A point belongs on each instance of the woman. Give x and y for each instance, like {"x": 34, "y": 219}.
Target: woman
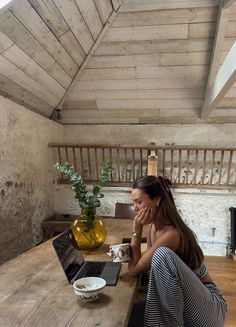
{"x": 181, "y": 291}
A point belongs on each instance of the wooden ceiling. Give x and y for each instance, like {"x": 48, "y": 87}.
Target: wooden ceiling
{"x": 121, "y": 62}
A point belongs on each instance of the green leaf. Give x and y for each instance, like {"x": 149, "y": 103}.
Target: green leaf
{"x": 79, "y": 187}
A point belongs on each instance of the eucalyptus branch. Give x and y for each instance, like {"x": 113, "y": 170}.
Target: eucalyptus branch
{"x": 78, "y": 185}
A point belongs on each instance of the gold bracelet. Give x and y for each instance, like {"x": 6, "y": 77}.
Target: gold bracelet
{"x": 136, "y": 235}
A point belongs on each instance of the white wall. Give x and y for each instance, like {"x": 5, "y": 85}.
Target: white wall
{"x": 27, "y": 176}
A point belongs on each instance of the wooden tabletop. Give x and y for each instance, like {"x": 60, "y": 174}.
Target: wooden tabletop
{"x": 35, "y": 292}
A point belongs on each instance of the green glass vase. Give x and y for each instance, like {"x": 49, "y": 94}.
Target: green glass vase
{"x": 89, "y": 229}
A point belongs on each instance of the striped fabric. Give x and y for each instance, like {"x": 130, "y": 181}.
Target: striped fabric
{"x": 177, "y": 298}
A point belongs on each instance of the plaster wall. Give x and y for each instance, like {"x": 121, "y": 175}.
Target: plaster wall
{"x": 188, "y": 134}
{"x": 27, "y": 176}
{"x": 206, "y": 212}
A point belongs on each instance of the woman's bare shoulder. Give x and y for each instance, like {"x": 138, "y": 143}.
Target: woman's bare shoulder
{"x": 168, "y": 236}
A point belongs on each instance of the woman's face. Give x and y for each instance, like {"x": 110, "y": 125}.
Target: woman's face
{"x": 141, "y": 200}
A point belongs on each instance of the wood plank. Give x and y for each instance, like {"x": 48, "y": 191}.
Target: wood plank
{"x": 31, "y": 265}
{"x": 26, "y": 14}
{"x": 159, "y": 17}
{"x": 156, "y": 47}
{"x": 90, "y": 14}
{"x": 232, "y": 12}
{"x": 135, "y": 104}
{"x": 167, "y": 72}
{"x": 221, "y": 112}
{"x": 51, "y": 16}
{"x": 193, "y": 58}
{"x": 10, "y": 26}
{"x": 220, "y": 270}
{"x": 231, "y": 28}
{"x": 124, "y": 61}
{"x": 140, "y": 84}
{"x": 225, "y": 78}
{"x": 73, "y": 47}
{"x": 127, "y": 113}
{"x": 5, "y": 42}
{"x": 228, "y": 3}
{"x": 55, "y": 21}
{"x": 180, "y": 113}
{"x": 232, "y": 92}
{"x": 118, "y": 113}
{"x": 227, "y": 103}
{"x": 201, "y": 30}
{"x": 137, "y": 5}
{"x": 179, "y": 31}
{"x": 102, "y": 121}
{"x": 187, "y": 120}
{"x": 26, "y": 63}
{"x": 108, "y": 73}
{"x": 74, "y": 19}
{"x": 137, "y": 94}
{"x": 104, "y": 8}
{"x": 31, "y": 68}
{"x": 149, "y": 104}
{"x": 16, "y": 93}
{"x": 15, "y": 74}
{"x": 82, "y": 104}
{"x": 228, "y": 43}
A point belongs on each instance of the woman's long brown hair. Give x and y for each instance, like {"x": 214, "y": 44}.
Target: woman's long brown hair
{"x": 189, "y": 250}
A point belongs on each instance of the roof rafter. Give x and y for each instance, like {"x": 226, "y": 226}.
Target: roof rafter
{"x": 216, "y": 56}
{"x": 225, "y": 78}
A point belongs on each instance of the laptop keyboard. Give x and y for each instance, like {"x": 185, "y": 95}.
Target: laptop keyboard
{"x": 93, "y": 269}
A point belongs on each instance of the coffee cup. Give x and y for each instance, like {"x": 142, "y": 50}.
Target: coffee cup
{"x": 119, "y": 252}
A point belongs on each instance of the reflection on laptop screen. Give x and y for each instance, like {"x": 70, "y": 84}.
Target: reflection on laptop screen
{"x": 71, "y": 259}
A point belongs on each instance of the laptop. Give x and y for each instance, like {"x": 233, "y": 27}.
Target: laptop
{"x": 74, "y": 265}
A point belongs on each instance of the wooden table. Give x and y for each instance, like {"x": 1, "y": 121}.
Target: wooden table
{"x": 34, "y": 290}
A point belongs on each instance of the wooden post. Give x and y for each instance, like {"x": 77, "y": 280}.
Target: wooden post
{"x": 153, "y": 163}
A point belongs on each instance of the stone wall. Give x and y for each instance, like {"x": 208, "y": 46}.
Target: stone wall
{"x": 27, "y": 178}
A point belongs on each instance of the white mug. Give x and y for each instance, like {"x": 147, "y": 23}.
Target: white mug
{"x": 119, "y": 252}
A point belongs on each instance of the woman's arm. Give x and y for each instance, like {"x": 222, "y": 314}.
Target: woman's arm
{"x": 141, "y": 219}
{"x": 141, "y": 262}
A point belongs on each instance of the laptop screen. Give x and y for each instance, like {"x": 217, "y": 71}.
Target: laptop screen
{"x": 70, "y": 257}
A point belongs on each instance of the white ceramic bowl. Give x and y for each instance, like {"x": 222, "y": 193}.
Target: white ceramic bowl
{"x": 89, "y": 288}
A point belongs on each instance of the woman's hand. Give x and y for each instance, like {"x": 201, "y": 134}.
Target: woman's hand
{"x": 144, "y": 217}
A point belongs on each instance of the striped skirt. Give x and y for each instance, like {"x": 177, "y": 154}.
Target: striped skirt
{"x": 177, "y": 298}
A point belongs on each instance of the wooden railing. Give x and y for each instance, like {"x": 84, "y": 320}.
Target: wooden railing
{"x": 185, "y": 166}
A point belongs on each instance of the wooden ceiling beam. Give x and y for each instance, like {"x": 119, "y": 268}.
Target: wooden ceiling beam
{"x": 216, "y": 56}
{"x": 225, "y": 78}
{"x": 88, "y": 57}
{"x": 228, "y": 3}
{"x": 116, "y": 4}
